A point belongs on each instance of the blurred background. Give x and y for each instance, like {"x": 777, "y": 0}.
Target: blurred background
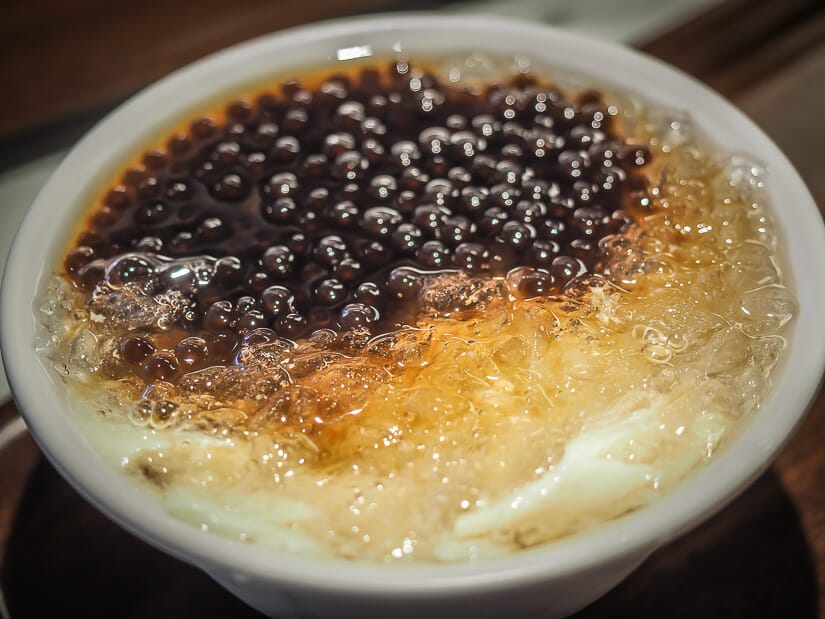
{"x": 65, "y": 63}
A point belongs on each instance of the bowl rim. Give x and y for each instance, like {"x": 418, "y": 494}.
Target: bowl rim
{"x": 638, "y": 534}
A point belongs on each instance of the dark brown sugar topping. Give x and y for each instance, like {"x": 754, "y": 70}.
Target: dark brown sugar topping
{"x": 328, "y": 207}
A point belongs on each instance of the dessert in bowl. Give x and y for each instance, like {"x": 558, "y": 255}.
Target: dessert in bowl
{"x": 504, "y": 310}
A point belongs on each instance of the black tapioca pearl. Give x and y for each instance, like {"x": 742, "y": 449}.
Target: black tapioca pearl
{"x": 222, "y": 345}
{"x": 226, "y": 154}
{"x": 253, "y": 319}
{"x": 413, "y": 179}
{"x": 149, "y": 188}
{"x": 504, "y": 195}
{"x": 259, "y": 337}
{"x": 635, "y": 156}
{"x": 155, "y": 160}
{"x": 565, "y": 268}
{"x": 278, "y": 261}
{"x": 455, "y": 229}
{"x": 433, "y": 255}
{"x": 377, "y": 106}
{"x": 333, "y": 91}
{"x": 330, "y": 250}
{"x": 585, "y": 249}
{"x": 374, "y": 254}
{"x": 299, "y": 244}
{"x": 590, "y": 220}
{"x": 407, "y": 238}
{"x": 350, "y": 115}
{"x": 527, "y": 282}
{"x": 295, "y": 121}
{"x": 266, "y": 134}
{"x": 518, "y": 235}
{"x": 492, "y": 220}
{"x": 531, "y": 211}
{"x": 203, "y": 128}
{"x": 354, "y": 315}
{"x": 384, "y": 187}
{"x": 192, "y": 351}
{"x": 287, "y": 148}
{"x": 404, "y": 153}
{"x": 473, "y": 200}
{"x": 228, "y": 273}
{"x": 219, "y": 316}
{"x": 369, "y": 293}
{"x": 277, "y": 301}
{"x": 162, "y": 365}
{"x": 329, "y": 291}
{"x": 338, "y": 143}
{"x": 282, "y": 185}
{"x": 459, "y": 176}
{"x": 212, "y": 230}
{"x": 403, "y": 282}
{"x": 136, "y": 349}
{"x": 179, "y": 191}
{"x": 178, "y": 145}
{"x": 573, "y": 164}
{"x": 231, "y": 187}
{"x": 344, "y": 214}
{"x": 131, "y": 178}
{"x": 91, "y": 274}
{"x": 350, "y": 166}
{"x": 316, "y": 166}
{"x": 434, "y": 140}
{"x": 78, "y": 258}
{"x": 149, "y": 244}
{"x": 348, "y": 270}
{"x": 541, "y": 253}
{"x": 281, "y": 211}
{"x": 380, "y": 221}
{"x": 471, "y": 257}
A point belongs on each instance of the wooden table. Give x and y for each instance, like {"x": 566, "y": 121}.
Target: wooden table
{"x": 762, "y": 556}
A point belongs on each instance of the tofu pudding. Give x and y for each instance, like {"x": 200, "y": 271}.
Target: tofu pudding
{"x": 406, "y": 314}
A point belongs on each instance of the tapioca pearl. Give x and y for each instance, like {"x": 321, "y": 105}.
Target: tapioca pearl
{"x": 178, "y": 145}
{"x": 105, "y": 216}
{"x": 407, "y": 238}
{"x": 318, "y": 199}
{"x": 373, "y": 128}
{"x": 162, "y": 365}
{"x": 155, "y": 160}
{"x": 565, "y": 268}
{"x": 308, "y": 221}
{"x": 266, "y": 134}
{"x": 531, "y": 211}
{"x": 428, "y": 217}
{"x": 286, "y": 149}
{"x": 585, "y": 250}
{"x": 281, "y": 185}
{"x": 434, "y": 140}
{"x": 369, "y": 293}
{"x": 584, "y": 192}
{"x": 228, "y": 273}
{"x": 471, "y": 257}
{"x": 208, "y": 173}
{"x": 90, "y": 275}
{"x": 455, "y": 229}
{"x": 299, "y": 243}
{"x": 553, "y": 230}
{"x": 542, "y": 146}
{"x": 333, "y": 91}
{"x": 504, "y": 195}
{"x": 192, "y": 351}
{"x": 78, "y": 258}
{"x": 403, "y": 282}
{"x": 212, "y": 230}
{"x": 239, "y": 110}
{"x": 348, "y": 270}
{"x": 329, "y": 291}
{"x": 609, "y": 178}
{"x": 583, "y": 137}
{"x": 406, "y": 202}
{"x": 573, "y": 164}
{"x": 380, "y": 221}
{"x": 413, "y": 179}
{"x": 344, "y": 215}
{"x": 635, "y": 156}
{"x": 383, "y": 188}
{"x": 438, "y": 166}
{"x": 404, "y": 153}
{"x": 295, "y": 121}
{"x": 377, "y": 106}
{"x": 590, "y": 220}
{"x": 518, "y": 235}
{"x": 460, "y": 177}
{"x": 131, "y": 178}
{"x": 483, "y": 168}
{"x": 219, "y": 316}
{"x": 316, "y": 166}
{"x": 179, "y": 191}
{"x": 374, "y": 254}
{"x": 433, "y": 255}
{"x": 440, "y": 191}
{"x": 253, "y": 319}
{"x": 277, "y": 301}
{"x": 373, "y": 150}
{"x": 541, "y": 253}
{"x": 508, "y": 172}
{"x": 149, "y": 188}
{"x": 527, "y": 282}
{"x": 596, "y": 116}
{"x": 237, "y": 131}
{"x": 135, "y": 349}
{"x": 278, "y": 261}
{"x": 231, "y": 187}
{"x": 350, "y": 166}
{"x": 492, "y": 220}
{"x": 350, "y": 115}
{"x": 330, "y": 250}
{"x": 465, "y": 145}
{"x": 355, "y": 315}
{"x": 203, "y": 128}
{"x": 226, "y": 154}
{"x": 430, "y": 102}
{"x": 322, "y": 318}
{"x": 473, "y": 200}
{"x": 258, "y": 281}
{"x": 281, "y": 211}
{"x": 338, "y": 143}
{"x": 129, "y": 268}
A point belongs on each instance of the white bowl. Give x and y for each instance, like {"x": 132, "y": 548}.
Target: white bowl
{"x": 556, "y": 579}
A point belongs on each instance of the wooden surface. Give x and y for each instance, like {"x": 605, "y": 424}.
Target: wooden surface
{"x": 762, "y": 556}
